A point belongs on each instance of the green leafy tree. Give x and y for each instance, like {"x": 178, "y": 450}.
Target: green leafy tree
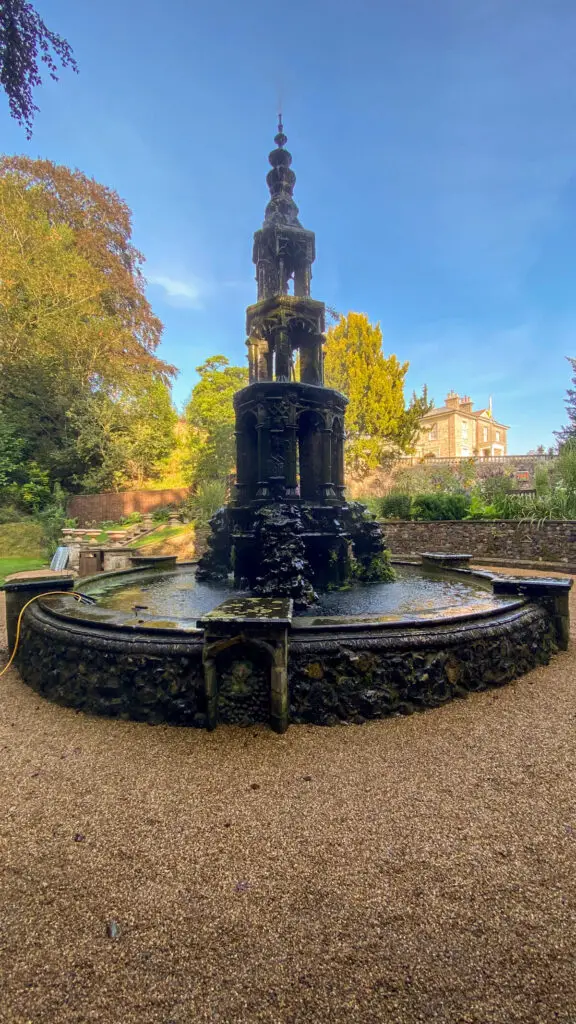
{"x": 79, "y": 380}
{"x": 12, "y": 448}
{"x": 210, "y": 415}
{"x": 379, "y": 424}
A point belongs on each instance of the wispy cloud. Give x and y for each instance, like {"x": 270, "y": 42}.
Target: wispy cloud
{"x": 188, "y": 292}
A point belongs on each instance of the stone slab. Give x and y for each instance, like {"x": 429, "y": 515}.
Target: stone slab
{"x": 272, "y": 610}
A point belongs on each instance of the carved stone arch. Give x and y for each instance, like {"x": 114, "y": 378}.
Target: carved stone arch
{"x": 212, "y": 650}
{"x": 238, "y": 672}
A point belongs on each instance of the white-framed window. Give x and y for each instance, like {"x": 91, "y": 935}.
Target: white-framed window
{"x": 484, "y": 433}
{"x": 433, "y": 433}
{"x": 465, "y": 451}
{"x": 465, "y": 429}
{"x": 497, "y": 435}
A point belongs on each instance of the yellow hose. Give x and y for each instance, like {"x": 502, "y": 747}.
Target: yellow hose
{"x": 49, "y": 593}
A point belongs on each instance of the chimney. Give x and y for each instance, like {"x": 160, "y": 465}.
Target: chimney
{"x": 452, "y": 400}
{"x": 465, "y": 404}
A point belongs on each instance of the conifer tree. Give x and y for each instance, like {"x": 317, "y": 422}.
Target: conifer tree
{"x": 378, "y": 422}
{"x": 569, "y": 431}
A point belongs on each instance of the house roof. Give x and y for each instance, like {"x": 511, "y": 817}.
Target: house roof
{"x": 479, "y": 414}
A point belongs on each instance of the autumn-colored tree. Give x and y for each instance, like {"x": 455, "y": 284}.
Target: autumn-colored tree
{"x": 210, "y": 415}
{"x": 25, "y": 44}
{"x": 77, "y": 339}
{"x": 379, "y": 424}
{"x": 101, "y": 223}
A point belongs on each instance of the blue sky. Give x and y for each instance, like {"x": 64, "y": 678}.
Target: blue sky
{"x": 434, "y": 145}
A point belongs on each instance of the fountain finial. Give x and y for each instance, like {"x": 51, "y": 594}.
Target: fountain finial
{"x": 280, "y": 139}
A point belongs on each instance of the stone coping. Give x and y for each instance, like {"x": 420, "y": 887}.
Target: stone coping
{"x": 518, "y": 590}
{"x": 473, "y": 522}
{"x": 531, "y": 585}
{"x": 126, "y": 622}
{"x": 36, "y": 577}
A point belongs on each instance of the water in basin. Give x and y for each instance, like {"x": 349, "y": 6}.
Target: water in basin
{"x": 179, "y": 595}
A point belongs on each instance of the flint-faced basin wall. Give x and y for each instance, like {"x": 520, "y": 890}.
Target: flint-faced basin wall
{"x": 349, "y": 669}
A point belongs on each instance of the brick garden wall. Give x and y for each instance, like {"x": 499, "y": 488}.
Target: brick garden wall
{"x": 112, "y": 505}
{"x": 502, "y": 539}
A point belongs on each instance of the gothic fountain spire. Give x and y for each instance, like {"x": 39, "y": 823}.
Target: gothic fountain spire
{"x": 283, "y": 250}
{"x": 281, "y": 180}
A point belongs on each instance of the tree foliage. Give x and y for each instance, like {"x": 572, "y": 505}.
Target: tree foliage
{"x": 80, "y": 384}
{"x": 569, "y": 431}
{"x": 25, "y": 44}
{"x": 210, "y": 415}
{"x": 378, "y": 422}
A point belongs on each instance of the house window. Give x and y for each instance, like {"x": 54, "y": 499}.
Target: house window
{"x": 497, "y": 435}
{"x": 485, "y": 433}
{"x": 465, "y": 451}
{"x": 465, "y": 429}
{"x": 433, "y": 433}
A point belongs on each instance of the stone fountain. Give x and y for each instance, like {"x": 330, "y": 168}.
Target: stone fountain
{"x": 298, "y": 635}
{"x": 289, "y": 530}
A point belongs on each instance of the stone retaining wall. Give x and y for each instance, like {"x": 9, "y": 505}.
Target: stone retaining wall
{"x": 552, "y": 541}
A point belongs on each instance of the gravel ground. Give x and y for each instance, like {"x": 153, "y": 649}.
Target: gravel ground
{"x": 414, "y": 869}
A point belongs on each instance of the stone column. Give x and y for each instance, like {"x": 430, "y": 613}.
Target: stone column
{"x": 326, "y": 488}
{"x": 279, "y": 702}
{"x": 311, "y": 360}
{"x": 283, "y": 355}
{"x": 291, "y": 447}
{"x": 240, "y": 485}
{"x": 339, "y": 481}
{"x": 252, "y": 360}
{"x": 263, "y": 368}
{"x": 263, "y": 490}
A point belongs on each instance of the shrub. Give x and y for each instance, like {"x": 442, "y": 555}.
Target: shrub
{"x": 541, "y": 481}
{"x": 160, "y": 515}
{"x": 52, "y": 518}
{"x": 558, "y": 504}
{"x": 432, "y": 507}
{"x": 208, "y": 498}
{"x": 566, "y": 464}
{"x": 372, "y": 504}
{"x": 131, "y": 518}
{"x": 480, "y": 510}
{"x": 11, "y": 514}
{"x": 495, "y": 487}
{"x": 396, "y": 506}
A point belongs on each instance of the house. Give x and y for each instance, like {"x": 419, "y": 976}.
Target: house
{"x": 455, "y": 431}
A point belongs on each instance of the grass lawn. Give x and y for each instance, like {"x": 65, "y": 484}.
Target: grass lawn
{"x": 10, "y": 565}
{"x": 160, "y": 534}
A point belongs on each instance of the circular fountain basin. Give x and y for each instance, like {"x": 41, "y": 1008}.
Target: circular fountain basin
{"x": 362, "y": 653}
{"x": 180, "y": 597}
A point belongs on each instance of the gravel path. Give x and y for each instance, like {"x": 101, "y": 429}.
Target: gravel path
{"x": 414, "y": 869}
